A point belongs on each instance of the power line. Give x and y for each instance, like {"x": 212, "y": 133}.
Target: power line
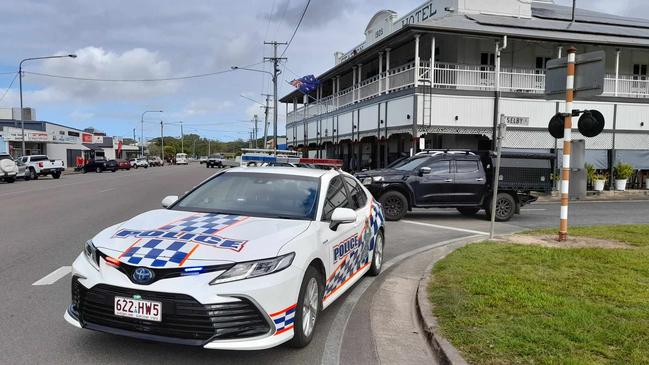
{"x": 137, "y": 80}
{"x": 7, "y": 72}
{"x": 296, "y": 28}
{"x": 9, "y": 87}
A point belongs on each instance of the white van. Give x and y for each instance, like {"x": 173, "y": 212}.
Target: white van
{"x": 181, "y": 159}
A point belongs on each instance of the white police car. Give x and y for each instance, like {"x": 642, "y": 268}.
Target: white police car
{"x": 246, "y": 260}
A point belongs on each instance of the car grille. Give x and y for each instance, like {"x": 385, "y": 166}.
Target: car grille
{"x": 182, "y": 316}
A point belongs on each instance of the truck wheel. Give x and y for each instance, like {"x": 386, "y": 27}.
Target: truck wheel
{"x": 505, "y": 207}
{"x": 56, "y": 175}
{"x": 395, "y": 205}
{"x": 10, "y": 179}
{"x": 33, "y": 174}
{"x": 468, "y": 211}
{"x": 307, "y": 310}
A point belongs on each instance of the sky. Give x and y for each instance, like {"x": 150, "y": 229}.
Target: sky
{"x": 147, "y": 39}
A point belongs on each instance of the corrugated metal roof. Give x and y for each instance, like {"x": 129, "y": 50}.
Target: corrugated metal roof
{"x": 558, "y": 12}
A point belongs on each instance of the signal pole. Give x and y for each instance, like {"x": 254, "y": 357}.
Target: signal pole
{"x": 266, "y": 119}
{"x": 256, "y": 137}
{"x": 567, "y": 139}
{"x": 276, "y": 73}
{"x": 162, "y": 141}
{"x": 182, "y": 138}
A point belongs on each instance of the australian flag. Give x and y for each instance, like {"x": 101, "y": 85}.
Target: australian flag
{"x": 306, "y": 84}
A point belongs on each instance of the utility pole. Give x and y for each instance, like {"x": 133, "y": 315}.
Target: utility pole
{"x": 162, "y": 141}
{"x": 256, "y": 138}
{"x": 194, "y": 148}
{"x": 276, "y": 73}
{"x": 209, "y": 147}
{"x": 182, "y": 138}
{"x": 134, "y": 139}
{"x": 266, "y": 120}
{"x": 250, "y": 144}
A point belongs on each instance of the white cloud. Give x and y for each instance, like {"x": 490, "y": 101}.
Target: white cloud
{"x": 205, "y": 106}
{"x": 98, "y": 63}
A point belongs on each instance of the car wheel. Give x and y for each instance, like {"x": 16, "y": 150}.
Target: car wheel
{"x": 34, "y": 175}
{"x": 27, "y": 176}
{"x": 395, "y": 205}
{"x": 505, "y": 207}
{"x": 377, "y": 256}
{"x": 309, "y": 305}
{"x": 10, "y": 179}
{"x": 56, "y": 175}
{"x": 98, "y": 170}
{"x": 468, "y": 210}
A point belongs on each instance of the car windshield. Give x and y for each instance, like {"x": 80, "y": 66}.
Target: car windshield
{"x": 256, "y": 195}
{"x": 411, "y": 163}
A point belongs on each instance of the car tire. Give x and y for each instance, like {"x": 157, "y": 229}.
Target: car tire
{"x": 10, "y": 179}
{"x": 505, "y": 207}
{"x": 56, "y": 175}
{"x": 468, "y": 211}
{"x": 34, "y": 175}
{"x": 311, "y": 292}
{"x": 98, "y": 170}
{"x": 377, "y": 255}
{"x": 395, "y": 205}
{"x": 27, "y": 176}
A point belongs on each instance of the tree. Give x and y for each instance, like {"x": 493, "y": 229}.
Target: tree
{"x": 170, "y": 151}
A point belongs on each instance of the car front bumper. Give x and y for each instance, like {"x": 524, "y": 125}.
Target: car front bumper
{"x": 249, "y": 314}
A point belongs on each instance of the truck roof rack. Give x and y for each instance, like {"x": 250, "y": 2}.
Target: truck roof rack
{"x": 447, "y": 151}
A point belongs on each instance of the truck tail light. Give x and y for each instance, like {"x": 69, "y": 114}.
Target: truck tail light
{"x": 40, "y": 164}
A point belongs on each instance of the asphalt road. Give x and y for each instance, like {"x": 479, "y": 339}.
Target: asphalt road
{"x": 44, "y": 223}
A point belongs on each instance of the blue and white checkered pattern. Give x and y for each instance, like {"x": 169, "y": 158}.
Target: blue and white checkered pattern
{"x": 203, "y": 223}
{"x": 158, "y": 253}
{"x": 284, "y": 321}
{"x": 359, "y": 257}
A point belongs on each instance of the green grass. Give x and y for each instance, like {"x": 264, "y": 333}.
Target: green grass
{"x": 633, "y": 234}
{"x": 519, "y": 304}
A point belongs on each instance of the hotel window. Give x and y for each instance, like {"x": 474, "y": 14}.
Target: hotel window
{"x": 487, "y": 63}
{"x": 639, "y": 72}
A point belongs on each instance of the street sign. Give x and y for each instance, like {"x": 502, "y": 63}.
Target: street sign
{"x": 589, "y": 76}
{"x": 514, "y": 120}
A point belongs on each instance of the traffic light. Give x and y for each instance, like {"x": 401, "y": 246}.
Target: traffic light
{"x": 591, "y": 123}
{"x": 556, "y": 126}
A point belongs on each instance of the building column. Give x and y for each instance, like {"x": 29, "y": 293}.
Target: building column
{"x": 387, "y": 69}
{"x": 432, "y": 61}
{"x": 417, "y": 59}
{"x": 337, "y": 91}
{"x": 380, "y": 73}
{"x": 617, "y": 70}
{"x": 359, "y": 79}
{"x": 354, "y": 84}
{"x": 559, "y": 51}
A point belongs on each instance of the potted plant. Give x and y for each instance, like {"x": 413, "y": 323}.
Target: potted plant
{"x": 622, "y": 171}
{"x": 599, "y": 180}
{"x": 590, "y": 173}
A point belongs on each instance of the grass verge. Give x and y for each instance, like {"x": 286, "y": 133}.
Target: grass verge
{"x": 516, "y": 304}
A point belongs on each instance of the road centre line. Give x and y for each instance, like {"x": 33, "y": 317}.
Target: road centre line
{"x": 54, "y": 276}
{"x": 446, "y": 227}
{"x": 106, "y": 190}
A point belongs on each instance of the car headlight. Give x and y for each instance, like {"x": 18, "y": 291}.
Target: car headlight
{"x": 372, "y": 179}
{"x": 253, "y": 269}
{"x": 91, "y": 253}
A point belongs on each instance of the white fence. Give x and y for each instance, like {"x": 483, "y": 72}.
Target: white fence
{"x": 461, "y": 77}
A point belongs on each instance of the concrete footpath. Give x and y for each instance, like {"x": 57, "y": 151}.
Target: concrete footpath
{"x": 396, "y": 328}
{"x": 638, "y": 194}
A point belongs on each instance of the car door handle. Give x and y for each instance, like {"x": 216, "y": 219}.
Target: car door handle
{"x": 448, "y": 180}
{"x": 479, "y": 179}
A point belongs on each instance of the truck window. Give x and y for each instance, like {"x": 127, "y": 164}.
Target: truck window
{"x": 466, "y": 166}
{"x": 440, "y": 167}
{"x": 336, "y": 197}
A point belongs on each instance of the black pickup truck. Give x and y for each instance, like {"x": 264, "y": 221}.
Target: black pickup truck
{"x": 461, "y": 180}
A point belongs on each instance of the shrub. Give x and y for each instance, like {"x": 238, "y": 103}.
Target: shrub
{"x": 623, "y": 171}
{"x": 590, "y": 171}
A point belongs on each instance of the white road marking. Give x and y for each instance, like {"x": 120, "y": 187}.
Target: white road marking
{"x": 531, "y": 209}
{"x": 103, "y": 191}
{"x": 445, "y": 227}
{"x": 54, "y": 276}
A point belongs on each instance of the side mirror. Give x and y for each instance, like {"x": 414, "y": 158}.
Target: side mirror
{"x": 424, "y": 171}
{"x": 168, "y": 200}
{"x": 341, "y": 216}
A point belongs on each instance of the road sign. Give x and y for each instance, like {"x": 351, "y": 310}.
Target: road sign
{"x": 589, "y": 76}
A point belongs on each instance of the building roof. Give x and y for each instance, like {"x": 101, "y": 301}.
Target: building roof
{"x": 549, "y": 22}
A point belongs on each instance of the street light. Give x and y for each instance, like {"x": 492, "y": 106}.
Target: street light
{"x": 274, "y": 77}
{"x": 20, "y": 81}
{"x": 142, "y": 129}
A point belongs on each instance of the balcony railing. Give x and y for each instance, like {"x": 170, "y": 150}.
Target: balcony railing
{"x": 460, "y": 77}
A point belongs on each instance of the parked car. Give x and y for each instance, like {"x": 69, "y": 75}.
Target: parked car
{"x": 23, "y": 171}
{"x": 461, "y": 180}
{"x": 41, "y": 165}
{"x": 8, "y": 168}
{"x": 139, "y": 162}
{"x": 214, "y": 161}
{"x": 100, "y": 165}
{"x": 123, "y": 165}
{"x": 202, "y": 159}
{"x": 155, "y": 161}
